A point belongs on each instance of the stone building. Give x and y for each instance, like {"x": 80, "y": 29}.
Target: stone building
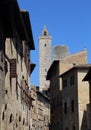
{"x": 55, "y": 97}
{"x": 44, "y": 57}
{"x": 75, "y": 97}
{"x": 43, "y": 111}
{"x": 34, "y": 112}
{"x": 88, "y": 78}
{"x": 58, "y": 67}
{"x": 59, "y": 52}
{"x": 40, "y": 110}
{"x": 16, "y": 41}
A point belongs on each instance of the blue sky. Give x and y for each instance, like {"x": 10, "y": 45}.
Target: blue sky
{"x": 67, "y": 21}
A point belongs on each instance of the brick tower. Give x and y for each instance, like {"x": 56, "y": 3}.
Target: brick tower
{"x": 44, "y": 57}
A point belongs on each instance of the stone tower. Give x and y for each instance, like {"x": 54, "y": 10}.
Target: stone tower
{"x": 44, "y": 57}
{"x": 60, "y": 52}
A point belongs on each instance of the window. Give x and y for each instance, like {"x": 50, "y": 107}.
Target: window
{"x": 6, "y": 67}
{"x": 1, "y": 45}
{"x": 19, "y": 118}
{"x": 72, "y": 105}
{"x": 65, "y": 107}
{"x": 11, "y": 118}
{"x": 2, "y": 55}
{"x": 17, "y": 91}
{"x": 21, "y": 64}
{"x": 6, "y": 91}
{"x": 45, "y": 45}
{"x": 45, "y": 33}
{"x": 3, "y": 116}
{"x": 64, "y": 83}
{"x": 16, "y": 125}
{"x": 29, "y": 127}
{"x": 73, "y": 127}
{"x": 1, "y": 50}
{"x": 72, "y": 80}
{"x": 13, "y": 68}
{"x": 23, "y": 121}
{"x": 5, "y": 107}
{"x": 45, "y": 70}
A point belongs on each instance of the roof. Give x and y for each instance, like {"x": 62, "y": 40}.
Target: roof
{"x": 80, "y": 66}
{"x": 36, "y": 89}
{"x": 42, "y": 95}
{"x": 12, "y": 19}
{"x": 88, "y": 76}
{"x": 27, "y": 23}
{"x": 9, "y": 17}
{"x": 51, "y": 68}
{"x": 32, "y": 67}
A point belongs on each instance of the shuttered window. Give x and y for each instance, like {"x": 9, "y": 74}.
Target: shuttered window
{"x": 13, "y": 68}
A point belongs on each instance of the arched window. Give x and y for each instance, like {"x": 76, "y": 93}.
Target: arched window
{"x": 45, "y": 33}
{"x": 11, "y": 118}
{"x": 23, "y": 121}
{"x": 3, "y": 116}
{"x": 29, "y": 127}
{"x": 5, "y": 106}
{"x": 6, "y": 91}
{"x": 45, "y": 45}
{"x": 73, "y": 127}
{"x": 19, "y": 118}
{"x": 16, "y": 125}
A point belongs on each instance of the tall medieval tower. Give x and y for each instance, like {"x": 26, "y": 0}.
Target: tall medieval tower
{"x": 44, "y": 57}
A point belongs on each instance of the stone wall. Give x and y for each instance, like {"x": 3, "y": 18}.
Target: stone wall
{"x": 74, "y": 59}
{"x": 16, "y": 110}
{"x": 75, "y": 97}
{"x": 2, "y": 77}
{"x": 60, "y": 52}
{"x": 40, "y": 110}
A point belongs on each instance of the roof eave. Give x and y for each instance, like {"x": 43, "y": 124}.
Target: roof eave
{"x": 27, "y": 23}
{"x": 51, "y": 69}
{"x": 10, "y": 18}
{"x": 88, "y": 76}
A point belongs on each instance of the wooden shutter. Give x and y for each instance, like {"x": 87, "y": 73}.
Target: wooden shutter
{"x": 13, "y": 68}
